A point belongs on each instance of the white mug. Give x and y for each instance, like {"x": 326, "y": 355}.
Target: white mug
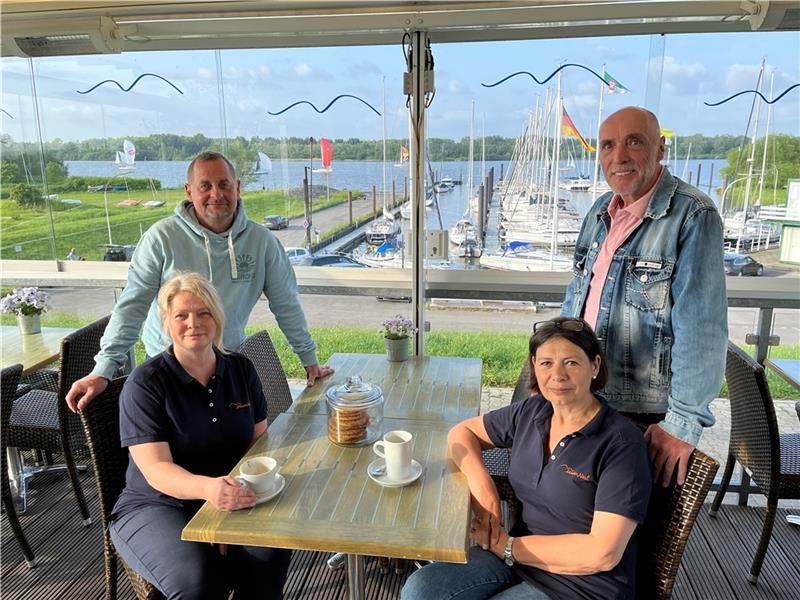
{"x": 395, "y": 449}
{"x": 259, "y": 473}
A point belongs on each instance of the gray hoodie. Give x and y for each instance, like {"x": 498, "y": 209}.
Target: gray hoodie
{"x": 242, "y": 263}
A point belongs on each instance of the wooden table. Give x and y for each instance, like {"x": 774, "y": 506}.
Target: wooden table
{"x": 440, "y": 388}
{"x": 330, "y": 504}
{"x": 787, "y": 369}
{"x": 33, "y": 351}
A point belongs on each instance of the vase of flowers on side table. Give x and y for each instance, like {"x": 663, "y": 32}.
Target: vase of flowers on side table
{"x": 28, "y": 304}
{"x": 397, "y": 332}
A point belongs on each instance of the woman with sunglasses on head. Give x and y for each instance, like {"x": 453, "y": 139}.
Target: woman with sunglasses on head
{"x": 580, "y": 471}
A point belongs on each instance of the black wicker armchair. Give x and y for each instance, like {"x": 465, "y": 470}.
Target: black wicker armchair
{"x": 772, "y": 459}
{"x": 259, "y": 349}
{"x": 662, "y": 539}
{"x": 110, "y": 461}
{"x": 41, "y": 419}
{"x": 9, "y": 379}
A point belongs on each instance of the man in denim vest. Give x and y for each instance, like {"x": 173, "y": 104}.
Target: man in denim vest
{"x": 649, "y": 277}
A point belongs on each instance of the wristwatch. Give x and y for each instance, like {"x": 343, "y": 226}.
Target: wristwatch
{"x": 508, "y": 557}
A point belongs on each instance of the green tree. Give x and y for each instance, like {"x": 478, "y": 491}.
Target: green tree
{"x": 10, "y": 173}
{"x": 26, "y": 196}
{"x": 55, "y": 171}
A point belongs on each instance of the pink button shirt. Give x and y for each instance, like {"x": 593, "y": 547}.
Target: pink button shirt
{"x": 624, "y": 222}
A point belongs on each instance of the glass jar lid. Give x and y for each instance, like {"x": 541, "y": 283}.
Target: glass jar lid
{"x": 354, "y": 393}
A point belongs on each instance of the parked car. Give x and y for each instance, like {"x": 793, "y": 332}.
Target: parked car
{"x": 740, "y": 264}
{"x": 298, "y": 256}
{"x": 276, "y": 222}
{"x": 118, "y": 252}
{"x": 334, "y": 260}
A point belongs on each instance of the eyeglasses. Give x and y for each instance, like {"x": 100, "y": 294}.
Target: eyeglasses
{"x": 566, "y": 325}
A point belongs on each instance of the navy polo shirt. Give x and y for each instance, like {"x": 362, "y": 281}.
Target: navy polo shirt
{"x": 208, "y": 428}
{"x": 604, "y": 466}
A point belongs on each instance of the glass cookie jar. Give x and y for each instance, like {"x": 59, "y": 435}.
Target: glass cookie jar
{"x": 355, "y": 412}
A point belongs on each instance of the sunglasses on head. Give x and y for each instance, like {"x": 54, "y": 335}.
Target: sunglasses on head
{"x": 566, "y": 325}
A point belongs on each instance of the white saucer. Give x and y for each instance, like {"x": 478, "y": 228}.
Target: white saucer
{"x": 416, "y": 471}
{"x": 269, "y": 495}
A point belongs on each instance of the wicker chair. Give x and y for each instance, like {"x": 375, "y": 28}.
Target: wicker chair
{"x": 9, "y": 378}
{"x": 662, "y": 539}
{"x": 259, "y": 349}
{"x": 110, "y": 461}
{"x": 41, "y": 419}
{"x": 772, "y": 459}
{"x": 497, "y": 460}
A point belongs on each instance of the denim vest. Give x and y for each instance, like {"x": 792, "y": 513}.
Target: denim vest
{"x": 663, "y": 310}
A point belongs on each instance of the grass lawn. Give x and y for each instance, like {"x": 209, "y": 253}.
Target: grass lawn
{"x": 502, "y": 353}
{"x": 27, "y": 234}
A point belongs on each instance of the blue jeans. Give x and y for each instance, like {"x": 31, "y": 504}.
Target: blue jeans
{"x": 149, "y": 541}
{"x": 484, "y": 576}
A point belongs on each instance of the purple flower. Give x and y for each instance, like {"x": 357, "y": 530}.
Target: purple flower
{"x": 27, "y": 301}
{"x": 397, "y": 328}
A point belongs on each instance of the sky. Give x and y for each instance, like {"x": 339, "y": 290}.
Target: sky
{"x": 696, "y": 69}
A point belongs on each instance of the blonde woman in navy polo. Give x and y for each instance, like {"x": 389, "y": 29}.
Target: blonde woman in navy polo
{"x": 580, "y": 470}
{"x": 187, "y": 416}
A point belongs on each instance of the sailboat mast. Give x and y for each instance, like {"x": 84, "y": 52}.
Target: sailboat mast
{"x": 483, "y": 149}
{"x": 597, "y": 139}
{"x": 751, "y": 160}
{"x": 384, "y": 143}
{"x": 766, "y": 141}
{"x": 555, "y": 170}
{"x": 471, "y": 152}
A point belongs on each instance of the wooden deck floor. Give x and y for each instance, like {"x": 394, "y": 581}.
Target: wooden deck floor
{"x": 70, "y": 557}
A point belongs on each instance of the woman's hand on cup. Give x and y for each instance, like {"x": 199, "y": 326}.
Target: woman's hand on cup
{"x": 225, "y": 493}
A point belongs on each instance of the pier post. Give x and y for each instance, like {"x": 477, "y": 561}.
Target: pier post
{"x": 374, "y": 200}
{"x": 394, "y": 198}
{"x": 307, "y": 208}
{"x": 699, "y": 170}
{"x": 710, "y": 178}
{"x": 350, "y": 204}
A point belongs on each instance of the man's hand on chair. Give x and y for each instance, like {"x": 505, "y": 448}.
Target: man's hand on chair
{"x": 667, "y": 453}
{"x": 83, "y": 390}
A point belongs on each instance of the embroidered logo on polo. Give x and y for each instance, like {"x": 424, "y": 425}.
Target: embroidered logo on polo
{"x": 239, "y": 405}
{"x": 575, "y": 473}
{"x": 245, "y": 264}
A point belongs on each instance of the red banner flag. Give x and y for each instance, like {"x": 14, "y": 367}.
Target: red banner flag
{"x": 326, "y": 147}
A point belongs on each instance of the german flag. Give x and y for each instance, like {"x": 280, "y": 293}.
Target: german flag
{"x": 568, "y": 128}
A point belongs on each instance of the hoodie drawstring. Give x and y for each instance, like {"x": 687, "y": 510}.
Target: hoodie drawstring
{"x": 208, "y": 256}
{"x": 232, "y": 257}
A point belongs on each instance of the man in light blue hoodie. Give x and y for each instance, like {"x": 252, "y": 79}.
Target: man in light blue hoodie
{"x": 209, "y": 234}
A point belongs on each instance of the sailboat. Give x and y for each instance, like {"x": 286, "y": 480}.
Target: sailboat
{"x": 263, "y": 165}
{"x": 326, "y": 148}
{"x": 403, "y": 157}
{"x": 382, "y": 229}
{"x": 126, "y": 157}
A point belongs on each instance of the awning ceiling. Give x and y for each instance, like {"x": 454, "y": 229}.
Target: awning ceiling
{"x": 42, "y": 28}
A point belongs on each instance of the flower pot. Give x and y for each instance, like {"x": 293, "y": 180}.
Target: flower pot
{"x": 397, "y": 350}
{"x": 29, "y": 324}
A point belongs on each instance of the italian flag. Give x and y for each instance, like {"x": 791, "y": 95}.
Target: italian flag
{"x": 613, "y": 84}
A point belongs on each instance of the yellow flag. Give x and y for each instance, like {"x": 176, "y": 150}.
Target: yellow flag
{"x": 667, "y": 133}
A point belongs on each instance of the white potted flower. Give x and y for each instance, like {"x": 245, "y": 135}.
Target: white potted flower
{"x": 396, "y": 332}
{"x": 28, "y": 304}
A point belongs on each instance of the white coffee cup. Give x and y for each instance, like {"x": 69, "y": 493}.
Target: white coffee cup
{"x": 259, "y": 473}
{"x": 395, "y": 449}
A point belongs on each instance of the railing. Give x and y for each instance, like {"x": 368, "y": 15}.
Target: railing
{"x": 779, "y": 213}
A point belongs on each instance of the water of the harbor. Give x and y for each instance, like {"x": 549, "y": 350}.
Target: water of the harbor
{"x": 363, "y": 175}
